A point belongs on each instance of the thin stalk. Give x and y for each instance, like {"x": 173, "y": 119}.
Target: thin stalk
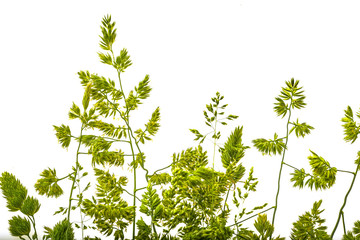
{"x": 343, "y": 221}
{"x": 227, "y": 195}
{"x": 153, "y": 225}
{"x": 281, "y": 165}
{"x": 213, "y": 166}
{"x": 80, "y": 210}
{"x": 32, "y": 219}
{"x": 132, "y": 152}
{"x": 215, "y": 139}
{"x": 75, "y": 173}
{"x": 344, "y": 203}
{"x": 251, "y": 216}
{"x": 344, "y": 171}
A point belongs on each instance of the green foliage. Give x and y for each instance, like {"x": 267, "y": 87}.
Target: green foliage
{"x": 271, "y": 146}
{"x": 63, "y": 230}
{"x": 19, "y": 227}
{"x": 13, "y": 191}
{"x": 111, "y": 213}
{"x": 233, "y": 149}
{"x": 143, "y": 89}
{"x": 264, "y": 228}
{"x": 300, "y": 128}
{"x": 309, "y": 225}
{"x": 290, "y": 93}
{"x": 47, "y": 185}
{"x": 86, "y": 98}
{"x": 351, "y": 128}
{"x": 212, "y": 116}
{"x": 323, "y": 175}
{"x": 30, "y": 206}
{"x": 63, "y": 134}
{"x": 161, "y": 178}
{"x": 108, "y": 31}
{"x": 193, "y": 200}
{"x": 354, "y": 234}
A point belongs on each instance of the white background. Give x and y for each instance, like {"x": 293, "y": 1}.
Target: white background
{"x": 244, "y": 49}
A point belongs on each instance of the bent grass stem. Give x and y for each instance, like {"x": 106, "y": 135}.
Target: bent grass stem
{"x": 281, "y": 165}
{"x": 344, "y": 203}
{"x": 75, "y": 173}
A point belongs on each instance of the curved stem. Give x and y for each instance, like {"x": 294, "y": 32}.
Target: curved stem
{"x": 343, "y": 221}
{"x": 80, "y": 210}
{"x": 126, "y": 119}
{"x": 227, "y": 195}
{"x": 344, "y": 203}
{"x": 32, "y": 219}
{"x": 281, "y": 166}
{"x": 75, "y": 173}
{"x": 254, "y": 215}
{"x": 344, "y": 171}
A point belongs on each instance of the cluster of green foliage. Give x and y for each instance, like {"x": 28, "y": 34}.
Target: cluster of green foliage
{"x": 188, "y": 199}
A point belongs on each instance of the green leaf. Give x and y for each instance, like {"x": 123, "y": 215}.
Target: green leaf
{"x": 351, "y": 128}
{"x": 14, "y": 192}
{"x": 63, "y": 135}
{"x": 30, "y": 206}
{"x": 19, "y": 226}
{"x": 271, "y": 146}
{"x": 74, "y": 111}
{"x": 233, "y": 149}
{"x": 108, "y": 129}
{"x": 153, "y": 125}
{"x": 85, "y": 77}
{"x": 106, "y": 58}
{"x": 143, "y": 89}
{"x": 280, "y": 107}
{"x": 62, "y": 230}
{"x": 263, "y": 226}
{"x": 144, "y": 230}
{"x": 111, "y": 158}
{"x": 197, "y": 134}
{"x": 123, "y": 60}
{"x": 47, "y": 185}
{"x": 86, "y": 98}
{"x": 160, "y": 178}
{"x": 324, "y": 175}
{"x": 354, "y": 234}
{"x": 310, "y": 225}
{"x": 232, "y": 117}
{"x": 108, "y": 31}
{"x": 290, "y": 93}
{"x": 298, "y": 178}
{"x": 301, "y": 129}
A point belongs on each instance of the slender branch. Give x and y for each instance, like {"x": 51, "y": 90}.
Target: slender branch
{"x": 227, "y": 195}
{"x": 126, "y": 119}
{"x": 80, "y": 210}
{"x": 307, "y": 174}
{"x": 343, "y": 221}
{"x": 344, "y": 203}
{"x": 131, "y": 194}
{"x": 344, "y": 171}
{"x": 281, "y": 165}
{"x": 75, "y": 173}
{"x": 251, "y": 216}
{"x": 115, "y": 140}
{"x": 140, "y": 189}
{"x": 32, "y": 219}
{"x": 290, "y": 166}
{"x": 164, "y": 167}
{"x": 59, "y": 179}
